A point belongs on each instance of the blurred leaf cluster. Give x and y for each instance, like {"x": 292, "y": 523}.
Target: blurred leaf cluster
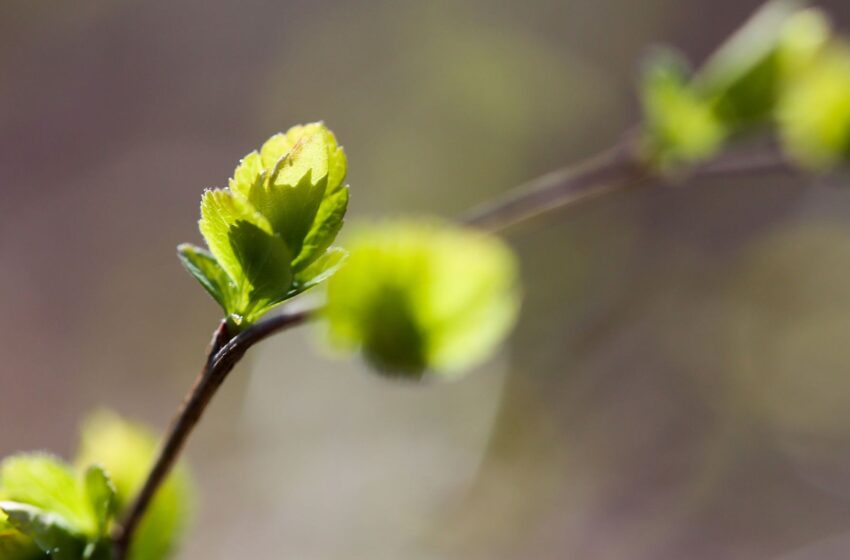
{"x": 417, "y": 295}
{"x": 50, "y": 509}
{"x": 784, "y": 70}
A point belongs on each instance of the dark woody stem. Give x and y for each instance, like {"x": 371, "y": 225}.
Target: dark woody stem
{"x": 224, "y": 352}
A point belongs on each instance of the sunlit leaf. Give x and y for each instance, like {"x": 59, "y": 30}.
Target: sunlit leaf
{"x": 283, "y": 209}
{"x": 291, "y": 208}
{"x": 221, "y": 211}
{"x": 249, "y": 174}
{"x": 46, "y": 482}
{"x": 328, "y": 223}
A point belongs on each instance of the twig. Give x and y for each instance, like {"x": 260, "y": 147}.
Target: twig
{"x": 224, "y": 353}
{"x": 619, "y": 168}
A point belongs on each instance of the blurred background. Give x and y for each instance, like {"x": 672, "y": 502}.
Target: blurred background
{"x": 678, "y": 385}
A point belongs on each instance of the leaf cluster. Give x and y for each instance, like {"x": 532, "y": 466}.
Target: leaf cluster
{"x": 50, "y": 509}
{"x": 783, "y": 71}
{"x": 270, "y": 231}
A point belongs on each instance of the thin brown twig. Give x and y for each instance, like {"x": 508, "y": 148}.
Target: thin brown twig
{"x": 617, "y": 169}
{"x": 224, "y": 352}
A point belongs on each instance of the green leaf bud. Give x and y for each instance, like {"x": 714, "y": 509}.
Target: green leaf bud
{"x": 278, "y": 217}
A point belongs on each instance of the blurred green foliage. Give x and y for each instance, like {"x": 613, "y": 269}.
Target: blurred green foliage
{"x": 815, "y": 113}
{"x": 783, "y": 69}
{"x": 419, "y": 295}
{"x": 50, "y": 509}
{"x": 64, "y": 512}
{"x": 681, "y": 126}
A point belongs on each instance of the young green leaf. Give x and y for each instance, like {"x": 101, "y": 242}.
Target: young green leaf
{"x": 310, "y": 147}
{"x": 423, "y": 295}
{"x": 249, "y": 174}
{"x": 206, "y": 270}
{"x": 329, "y": 220}
{"x": 266, "y": 266}
{"x": 221, "y": 211}
{"x": 51, "y": 531}
{"x": 291, "y": 208}
{"x": 127, "y": 451}
{"x": 320, "y": 270}
{"x": 291, "y": 178}
{"x": 101, "y": 495}
{"x": 47, "y": 483}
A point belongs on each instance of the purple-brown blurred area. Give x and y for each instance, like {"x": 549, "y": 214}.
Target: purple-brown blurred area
{"x": 679, "y": 384}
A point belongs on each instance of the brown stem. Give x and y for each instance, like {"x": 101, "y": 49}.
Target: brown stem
{"x": 614, "y": 169}
{"x": 225, "y": 351}
{"x": 619, "y": 168}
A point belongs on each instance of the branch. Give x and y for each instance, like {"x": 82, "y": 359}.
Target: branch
{"x": 224, "y": 353}
{"x": 618, "y": 169}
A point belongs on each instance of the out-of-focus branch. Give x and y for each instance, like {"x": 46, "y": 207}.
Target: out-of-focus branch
{"x": 618, "y": 169}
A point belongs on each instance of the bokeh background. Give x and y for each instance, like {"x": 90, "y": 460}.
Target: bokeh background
{"x": 679, "y": 383}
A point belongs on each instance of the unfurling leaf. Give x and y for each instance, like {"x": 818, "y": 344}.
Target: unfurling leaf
{"x": 281, "y": 213}
{"x": 417, "y": 296}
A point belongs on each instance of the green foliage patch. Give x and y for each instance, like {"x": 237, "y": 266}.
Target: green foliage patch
{"x": 50, "y": 509}
{"x": 784, "y": 70}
